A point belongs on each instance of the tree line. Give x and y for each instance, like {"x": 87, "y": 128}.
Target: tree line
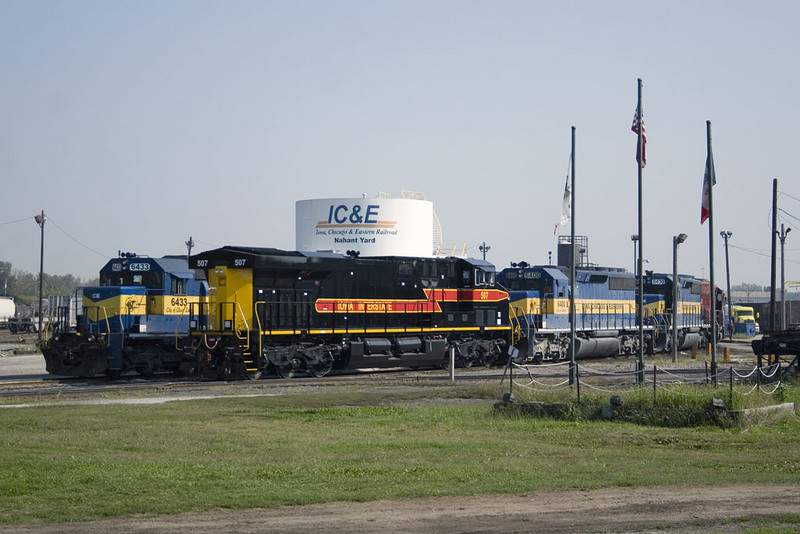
{"x": 24, "y": 287}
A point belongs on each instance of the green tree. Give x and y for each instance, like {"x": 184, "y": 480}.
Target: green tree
{"x": 24, "y": 287}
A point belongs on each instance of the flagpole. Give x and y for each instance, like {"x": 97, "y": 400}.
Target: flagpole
{"x": 640, "y": 293}
{"x": 710, "y": 174}
{"x": 572, "y": 373}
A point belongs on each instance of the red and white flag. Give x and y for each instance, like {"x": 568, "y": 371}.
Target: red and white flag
{"x": 709, "y": 180}
{"x": 635, "y": 129}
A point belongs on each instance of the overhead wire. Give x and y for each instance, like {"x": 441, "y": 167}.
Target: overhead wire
{"x": 14, "y": 222}
{"x": 106, "y": 256}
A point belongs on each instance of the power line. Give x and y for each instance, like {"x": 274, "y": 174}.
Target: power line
{"x": 14, "y": 222}
{"x": 756, "y": 252}
{"x": 106, "y": 256}
{"x": 788, "y": 195}
{"x": 788, "y": 214}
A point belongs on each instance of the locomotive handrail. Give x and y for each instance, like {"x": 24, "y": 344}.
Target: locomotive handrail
{"x": 246, "y": 325}
{"x": 258, "y": 320}
{"x": 97, "y": 320}
{"x": 178, "y": 326}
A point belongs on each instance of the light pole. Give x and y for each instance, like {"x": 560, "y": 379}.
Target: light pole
{"x": 484, "y": 248}
{"x": 676, "y": 240}
{"x": 635, "y": 239}
{"x": 40, "y": 219}
{"x": 727, "y": 235}
{"x": 782, "y": 236}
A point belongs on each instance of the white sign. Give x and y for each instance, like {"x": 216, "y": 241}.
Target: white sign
{"x": 370, "y": 226}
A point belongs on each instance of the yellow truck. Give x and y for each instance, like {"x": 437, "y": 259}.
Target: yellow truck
{"x": 744, "y": 320}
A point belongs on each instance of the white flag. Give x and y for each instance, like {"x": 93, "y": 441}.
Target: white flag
{"x": 566, "y": 208}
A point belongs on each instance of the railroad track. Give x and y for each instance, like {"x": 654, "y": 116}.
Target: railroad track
{"x": 48, "y": 390}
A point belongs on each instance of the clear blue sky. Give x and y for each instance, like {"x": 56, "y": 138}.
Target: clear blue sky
{"x": 135, "y": 124}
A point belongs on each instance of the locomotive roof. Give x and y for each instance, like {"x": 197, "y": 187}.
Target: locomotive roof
{"x": 175, "y": 265}
{"x": 230, "y": 252}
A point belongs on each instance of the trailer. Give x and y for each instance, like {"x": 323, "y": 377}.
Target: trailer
{"x": 22, "y": 325}
{"x": 780, "y": 343}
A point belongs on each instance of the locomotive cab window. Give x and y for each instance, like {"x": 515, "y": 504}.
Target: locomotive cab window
{"x": 177, "y": 286}
{"x": 405, "y": 268}
{"x": 483, "y": 278}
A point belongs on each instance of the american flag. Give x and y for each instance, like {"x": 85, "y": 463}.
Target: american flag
{"x": 635, "y": 129}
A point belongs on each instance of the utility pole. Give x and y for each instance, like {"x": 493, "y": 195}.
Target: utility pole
{"x": 190, "y": 246}
{"x": 40, "y": 219}
{"x": 782, "y": 236}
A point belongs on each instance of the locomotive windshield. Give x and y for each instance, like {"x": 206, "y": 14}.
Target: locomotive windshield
{"x": 151, "y": 280}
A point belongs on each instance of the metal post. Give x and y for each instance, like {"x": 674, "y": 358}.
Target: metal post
{"x": 40, "y": 219}
{"x": 712, "y": 285}
{"x": 640, "y": 272}
{"x": 676, "y": 240}
{"x": 572, "y": 266}
{"x": 726, "y": 235}
{"x": 452, "y": 365}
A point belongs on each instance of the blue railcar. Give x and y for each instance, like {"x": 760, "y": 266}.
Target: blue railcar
{"x": 135, "y": 320}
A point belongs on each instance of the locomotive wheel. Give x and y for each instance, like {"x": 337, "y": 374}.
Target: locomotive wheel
{"x": 321, "y": 368}
{"x": 488, "y": 357}
{"x": 253, "y": 375}
{"x": 321, "y": 365}
{"x": 148, "y": 368}
{"x": 290, "y": 369}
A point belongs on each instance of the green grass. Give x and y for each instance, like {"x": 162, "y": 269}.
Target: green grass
{"x": 77, "y": 463}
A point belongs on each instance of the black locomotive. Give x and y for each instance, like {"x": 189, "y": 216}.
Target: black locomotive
{"x": 285, "y": 312}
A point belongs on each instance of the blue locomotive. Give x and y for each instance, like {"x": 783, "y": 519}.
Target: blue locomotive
{"x": 135, "y": 320}
{"x": 605, "y": 310}
{"x": 692, "y": 329}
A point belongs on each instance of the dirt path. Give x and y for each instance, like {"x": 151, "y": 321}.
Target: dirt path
{"x": 647, "y": 509}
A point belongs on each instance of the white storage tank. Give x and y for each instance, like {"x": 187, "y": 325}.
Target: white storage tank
{"x": 379, "y": 226}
